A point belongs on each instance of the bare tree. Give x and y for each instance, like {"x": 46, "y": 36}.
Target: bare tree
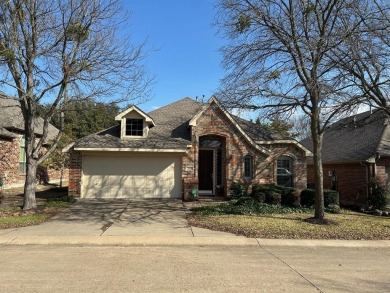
{"x": 364, "y": 58}
{"x": 278, "y": 62}
{"x": 56, "y": 51}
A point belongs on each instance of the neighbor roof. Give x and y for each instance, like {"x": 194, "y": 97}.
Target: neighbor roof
{"x": 171, "y": 130}
{"x": 11, "y": 118}
{"x": 357, "y": 138}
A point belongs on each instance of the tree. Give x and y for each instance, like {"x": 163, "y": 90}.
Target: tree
{"x": 58, "y": 51}
{"x": 364, "y": 59}
{"x": 278, "y": 61}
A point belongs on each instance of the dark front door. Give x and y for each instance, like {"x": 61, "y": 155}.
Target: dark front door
{"x": 206, "y": 163}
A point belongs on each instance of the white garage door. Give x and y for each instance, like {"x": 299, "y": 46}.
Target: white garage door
{"x": 131, "y": 177}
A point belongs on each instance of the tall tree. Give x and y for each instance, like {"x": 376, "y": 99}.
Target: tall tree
{"x": 278, "y": 61}
{"x": 57, "y": 51}
{"x": 364, "y": 59}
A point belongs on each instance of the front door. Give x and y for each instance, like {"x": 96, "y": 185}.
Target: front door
{"x": 206, "y": 170}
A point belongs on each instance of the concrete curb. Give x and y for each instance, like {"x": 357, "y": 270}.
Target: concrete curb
{"x": 184, "y": 241}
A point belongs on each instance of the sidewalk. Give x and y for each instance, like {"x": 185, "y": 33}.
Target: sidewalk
{"x": 143, "y": 222}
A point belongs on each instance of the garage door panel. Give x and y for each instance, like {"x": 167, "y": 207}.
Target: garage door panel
{"x": 131, "y": 177}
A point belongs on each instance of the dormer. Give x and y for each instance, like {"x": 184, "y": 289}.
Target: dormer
{"x": 134, "y": 123}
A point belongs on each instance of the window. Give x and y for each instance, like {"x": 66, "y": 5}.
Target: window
{"x": 134, "y": 127}
{"x": 248, "y": 167}
{"x": 22, "y": 156}
{"x": 284, "y": 172}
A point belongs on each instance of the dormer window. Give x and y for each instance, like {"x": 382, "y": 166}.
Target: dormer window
{"x": 134, "y": 127}
{"x": 135, "y": 124}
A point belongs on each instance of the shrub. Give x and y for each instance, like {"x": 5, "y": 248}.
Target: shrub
{"x": 307, "y": 197}
{"x": 331, "y": 197}
{"x": 333, "y": 209}
{"x": 238, "y": 190}
{"x": 290, "y": 197}
{"x": 273, "y": 198}
{"x": 379, "y": 195}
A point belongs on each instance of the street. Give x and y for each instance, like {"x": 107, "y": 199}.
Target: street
{"x": 191, "y": 268}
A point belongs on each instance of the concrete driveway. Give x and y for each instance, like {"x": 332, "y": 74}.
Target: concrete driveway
{"x": 151, "y": 217}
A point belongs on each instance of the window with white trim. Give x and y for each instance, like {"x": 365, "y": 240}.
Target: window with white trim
{"x": 284, "y": 171}
{"x": 134, "y": 127}
{"x": 248, "y": 167}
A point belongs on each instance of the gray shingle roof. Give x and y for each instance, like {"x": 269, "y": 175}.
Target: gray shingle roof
{"x": 170, "y": 131}
{"x": 355, "y": 138}
{"x": 11, "y": 118}
{"x": 5, "y": 133}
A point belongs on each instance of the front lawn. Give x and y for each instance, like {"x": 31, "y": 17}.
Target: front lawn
{"x": 50, "y": 200}
{"x": 266, "y": 221}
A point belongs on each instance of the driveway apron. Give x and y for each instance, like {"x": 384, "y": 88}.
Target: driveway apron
{"x": 114, "y": 217}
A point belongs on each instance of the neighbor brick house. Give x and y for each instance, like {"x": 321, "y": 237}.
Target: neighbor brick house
{"x": 185, "y": 145}
{"x": 12, "y": 145}
{"x": 355, "y": 151}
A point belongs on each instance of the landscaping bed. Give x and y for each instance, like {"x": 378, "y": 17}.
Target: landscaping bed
{"x": 51, "y": 199}
{"x": 278, "y": 212}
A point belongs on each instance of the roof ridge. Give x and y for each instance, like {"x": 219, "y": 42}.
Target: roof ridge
{"x": 173, "y": 103}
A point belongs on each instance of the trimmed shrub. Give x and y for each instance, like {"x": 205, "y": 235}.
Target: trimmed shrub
{"x": 333, "y": 209}
{"x": 307, "y": 197}
{"x": 273, "y": 197}
{"x": 290, "y": 197}
{"x": 238, "y": 190}
{"x": 331, "y": 197}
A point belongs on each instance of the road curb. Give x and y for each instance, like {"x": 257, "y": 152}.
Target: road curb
{"x": 184, "y": 241}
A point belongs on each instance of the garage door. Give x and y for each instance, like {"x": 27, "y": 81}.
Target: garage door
{"x": 131, "y": 177}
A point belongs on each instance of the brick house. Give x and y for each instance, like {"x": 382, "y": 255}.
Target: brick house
{"x": 355, "y": 150}
{"x": 12, "y": 145}
{"x": 174, "y": 149}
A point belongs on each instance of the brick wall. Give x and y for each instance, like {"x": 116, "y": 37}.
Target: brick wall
{"x": 235, "y": 147}
{"x": 9, "y": 161}
{"x": 351, "y": 181}
{"x": 9, "y": 165}
{"x": 74, "y": 183}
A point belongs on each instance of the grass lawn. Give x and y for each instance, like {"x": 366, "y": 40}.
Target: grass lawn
{"x": 50, "y": 201}
{"x": 290, "y": 223}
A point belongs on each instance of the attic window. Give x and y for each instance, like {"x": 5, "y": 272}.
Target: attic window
{"x": 134, "y": 127}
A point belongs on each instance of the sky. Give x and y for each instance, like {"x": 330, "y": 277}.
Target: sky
{"x": 185, "y": 55}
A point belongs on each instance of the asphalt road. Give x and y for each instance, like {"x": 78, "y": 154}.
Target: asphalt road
{"x": 41, "y": 268}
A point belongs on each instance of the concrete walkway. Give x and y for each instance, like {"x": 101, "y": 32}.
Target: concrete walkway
{"x": 141, "y": 222}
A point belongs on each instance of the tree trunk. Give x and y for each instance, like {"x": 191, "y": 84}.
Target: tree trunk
{"x": 318, "y": 173}
{"x": 30, "y": 185}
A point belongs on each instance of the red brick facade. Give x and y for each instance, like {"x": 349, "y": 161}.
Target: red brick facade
{"x": 351, "y": 179}
{"x": 75, "y": 166}
{"x": 9, "y": 165}
{"x": 213, "y": 123}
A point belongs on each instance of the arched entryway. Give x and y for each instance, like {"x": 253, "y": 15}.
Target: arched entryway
{"x": 212, "y": 165}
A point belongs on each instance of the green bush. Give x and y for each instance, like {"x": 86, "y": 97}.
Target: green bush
{"x": 307, "y": 197}
{"x": 238, "y": 190}
{"x": 290, "y": 197}
{"x": 273, "y": 198}
{"x": 333, "y": 209}
{"x": 379, "y": 197}
{"x": 331, "y": 197}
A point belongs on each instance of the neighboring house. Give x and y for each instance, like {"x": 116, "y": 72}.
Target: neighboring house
{"x": 355, "y": 151}
{"x": 12, "y": 145}
{"x": 174, "y": 149}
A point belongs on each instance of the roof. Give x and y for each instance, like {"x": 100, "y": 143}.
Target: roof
{"x": 11, "y": 118}
{"x": 5, "y": 133}
{"x": 148, "y": 119}
{"x": 357, "y": 138}
{"x": 171, "y": 129}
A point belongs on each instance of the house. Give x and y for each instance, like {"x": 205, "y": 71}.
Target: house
{"x": 12, "y": 145}
{"x": 355, "y": 151}
{"x": 177, "y": 149}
